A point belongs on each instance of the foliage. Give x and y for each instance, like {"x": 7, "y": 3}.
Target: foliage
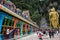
{"x": 31, "y": 5}
{"x": 35, "y": 6}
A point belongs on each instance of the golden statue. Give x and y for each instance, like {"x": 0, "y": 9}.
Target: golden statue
{"x": 54, "y": 18}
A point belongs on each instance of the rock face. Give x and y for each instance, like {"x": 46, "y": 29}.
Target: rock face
{"x": 43, "y": 23}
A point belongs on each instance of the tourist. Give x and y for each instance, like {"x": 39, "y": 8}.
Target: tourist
{"x": 40, "y": 36}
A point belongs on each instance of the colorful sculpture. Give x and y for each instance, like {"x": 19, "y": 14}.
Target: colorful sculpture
{"x": 6, "y": 4}
{"x": 18, "y": 11}
{"x": 54, "y": 18}
{"x": 10, "y": 5}
{"x": 13, "y": 7}
{"x": 12, "y": 26}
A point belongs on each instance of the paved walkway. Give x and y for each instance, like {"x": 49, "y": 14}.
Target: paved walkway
{"x": 35, "y": 37}
{"x": 56, "y": 37}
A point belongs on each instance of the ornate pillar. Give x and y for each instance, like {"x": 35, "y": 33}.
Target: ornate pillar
{"x": 31, "y": 31}
{"x": 1, "y": 21}
{"x": 21, "y": 28}
{"x": 15, "y": 21}
{"x": 25, "y": 29}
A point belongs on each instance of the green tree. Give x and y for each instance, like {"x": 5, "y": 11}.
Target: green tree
{"x": 31, "y": 5}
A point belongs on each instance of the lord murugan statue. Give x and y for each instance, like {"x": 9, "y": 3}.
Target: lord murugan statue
{"x": 54, "y": 18}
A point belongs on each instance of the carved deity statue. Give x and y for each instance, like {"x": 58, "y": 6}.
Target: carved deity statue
{"x": 54, "y": 18}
